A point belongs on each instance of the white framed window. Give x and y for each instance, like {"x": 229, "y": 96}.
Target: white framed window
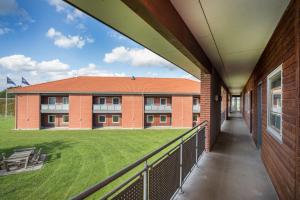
{"x": 195, "y": 118}
{"x": 116, "y": 100}
{"x": 116, "y": 119}
{"x": 102, "y": 100}
{"x": 149, "y": 101}
{"x": 274, "y": 105}
{"x": 163, "y": 101}
{"x": 163, "y": 118}
{"x": 51, "y": 100}
{"x": 65, "y": 118}
{"x": 150, "y": 118}
{"x": 195, "y": 101}
{"x": 101, "y": 118}
{"x": 51, "y": 119}
{"x": 65, "y": 100}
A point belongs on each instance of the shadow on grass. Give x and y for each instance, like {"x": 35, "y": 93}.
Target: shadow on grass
{"x": 51, "y": 149}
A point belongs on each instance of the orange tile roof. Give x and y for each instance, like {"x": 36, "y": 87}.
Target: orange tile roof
{"x": 117, "y": 85}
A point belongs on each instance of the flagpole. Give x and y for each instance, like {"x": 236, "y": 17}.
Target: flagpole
{"x": 6, "y": 100}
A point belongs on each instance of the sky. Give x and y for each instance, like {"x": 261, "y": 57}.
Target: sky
{"x": 44, "y": 40}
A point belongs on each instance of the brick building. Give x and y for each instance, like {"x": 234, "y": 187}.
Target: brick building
{"x": 95, "y": 102}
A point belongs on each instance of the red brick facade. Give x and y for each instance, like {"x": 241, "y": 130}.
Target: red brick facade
{"x": 108, "y": 120}
{"x": 182, "y": 111}
{"x": 157, "y": 120}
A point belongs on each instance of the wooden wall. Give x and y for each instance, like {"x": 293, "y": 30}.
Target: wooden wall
{"x": 282, "y": 161}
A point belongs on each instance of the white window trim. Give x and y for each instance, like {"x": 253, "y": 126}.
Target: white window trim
{"x": 166, "y": 101}
{"x": 148, "y": 119}
{"x": 162, "y": 121}
{"x": 49, "y": 100}
{"x": 147, "y": 101}
{"x": 112, "y": 119}
{"x": 116, "y": 98}
{"x": 277, "y": 135}
{"x": 63, "y": 119}
{"x": 102, "y": 98}
{"x": 67, "y": 100}
{"x": 49, "y": 119}
{"x": 101, "y": 116}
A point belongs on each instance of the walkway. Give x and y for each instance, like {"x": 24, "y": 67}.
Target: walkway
{"x": 233, "y": 170}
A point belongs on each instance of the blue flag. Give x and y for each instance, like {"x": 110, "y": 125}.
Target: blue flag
{"x": 24, "y": 81}
{"x": 9, "y": 81}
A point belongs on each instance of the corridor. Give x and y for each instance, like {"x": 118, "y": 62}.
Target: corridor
{"x": 233, "y": 170}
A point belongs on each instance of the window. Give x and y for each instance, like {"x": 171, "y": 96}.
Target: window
{"x": 116, "y": 100}
{"x": 150, "y": 118}
{"x": 116, "y": 118}
{"x": 150, "y": 101}
{"x": 65, "y": 100}
{"x": 275, "y": 103}
{"x": 65, "y": 118}
{"x": 51, "y": 119}
{"x": 163, "y": 101}
{"x": 163, "y": 119}
{"x": 51, "y": 100}
{"x": 195, "y": 118}
{"x": 195, "y": 101}
{"x": 101, "y": 119}
{"x": 102, "y": 100}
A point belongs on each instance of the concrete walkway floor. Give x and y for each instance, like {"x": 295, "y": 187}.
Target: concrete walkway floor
{"x": 233, "y": 170}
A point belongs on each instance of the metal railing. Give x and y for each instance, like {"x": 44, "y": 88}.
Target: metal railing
{"x": 158, "y": 108}
{"x": 196, "y": 108}
{"x": 163, "y": 173}
{"x": 54, "y": 108}
{"x": 98, "y": 108}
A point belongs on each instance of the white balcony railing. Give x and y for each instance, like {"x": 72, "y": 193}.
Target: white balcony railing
{"x": 97, "y": 108}
{"x": 158, "y": 109}
{"x": 54, "y": 108}
{"x": 196, "y": 108}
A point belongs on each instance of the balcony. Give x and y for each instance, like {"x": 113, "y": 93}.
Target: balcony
{"x": 158, "y": 109}
{"x": 196, "y": 108}
{"x": 105, "y": 108}
{"x": 54, "y": 108}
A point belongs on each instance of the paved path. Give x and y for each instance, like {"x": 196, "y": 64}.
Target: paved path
{"x": 232, "y": 171}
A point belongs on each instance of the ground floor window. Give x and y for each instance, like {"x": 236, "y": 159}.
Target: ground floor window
{"x": 195, "y": 118}
{"x": 65, "y": 118}
{"x": 150, "y": 118}
{"x": 101, "y": 118}
{"x": 51, "y": 119}
{"x": 116, "y": 118}
{"x": 163, "y": 119}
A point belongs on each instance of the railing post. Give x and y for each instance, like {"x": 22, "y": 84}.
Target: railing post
{"x": 180, "y": 161}
{"x": 197, "y": 145}
{"x": 145, "y": 182}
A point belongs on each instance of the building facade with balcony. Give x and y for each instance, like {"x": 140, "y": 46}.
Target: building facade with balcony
{"x": 96, "y": 102}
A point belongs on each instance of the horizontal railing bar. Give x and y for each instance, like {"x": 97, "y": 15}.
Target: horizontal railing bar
{"x": 120, "y": 173}
{"x": 122, "y": 185}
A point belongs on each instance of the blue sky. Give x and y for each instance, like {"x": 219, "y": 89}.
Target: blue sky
{"x": 45, "y": 40}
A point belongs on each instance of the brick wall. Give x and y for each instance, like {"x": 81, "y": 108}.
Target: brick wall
{"x": 282, "y": 160}
{"x": 157, "y": 99}
{"x": 80, "y": 111}
{"x": 58, "y": 121}
{"x": 44, "y": 99}
{"x": 27, "y": 111}
{"x": 182, "y": 111}
{"x": 133, "y": 111}
{"x": 108, "y": 121}
{"x": 108, "y": 99}
{"x": 156, "y": 121}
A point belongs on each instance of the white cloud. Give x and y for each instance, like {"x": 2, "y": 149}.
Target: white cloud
{"x": 67, "y": 41}
{"x": 115, "y": 34}
{"x": 136, "y": 57}
{"x": 58, "y": 4}
{"x": 4, "y": 30}
{"x": 74, "y": 15}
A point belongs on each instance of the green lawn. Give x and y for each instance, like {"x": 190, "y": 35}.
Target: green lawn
{"x": 76, "y": 159}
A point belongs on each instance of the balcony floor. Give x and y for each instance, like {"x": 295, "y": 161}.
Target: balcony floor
{"x": 233, "y": 170}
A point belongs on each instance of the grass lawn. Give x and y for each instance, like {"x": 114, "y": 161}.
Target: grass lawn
{"x": 76, "y": 159}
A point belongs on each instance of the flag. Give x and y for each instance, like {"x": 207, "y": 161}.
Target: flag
{"x": 24, "y": 81}
{"x": 9, "y": 81}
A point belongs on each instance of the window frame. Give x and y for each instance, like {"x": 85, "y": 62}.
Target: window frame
{"x": 147, "y": 101}
{"x": 67, "y": 100}
{"x": 197, "y": 101}
{"x": 64, "y": 120}
{"x": 52, "y": 98}
{"x": 99, "y": 100}
{"x": 196, "y": 117}
{"x": 112, "y": 119}
{"x": 148, "y": 119}
{"x": 163, "y": 122}
{"x": 119, "y": 100}
{"x": 277, "y": 135}
{"x": 165, "y": 100}
{"x": 49, "y": 119}
{"x": 99, "y": 116}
